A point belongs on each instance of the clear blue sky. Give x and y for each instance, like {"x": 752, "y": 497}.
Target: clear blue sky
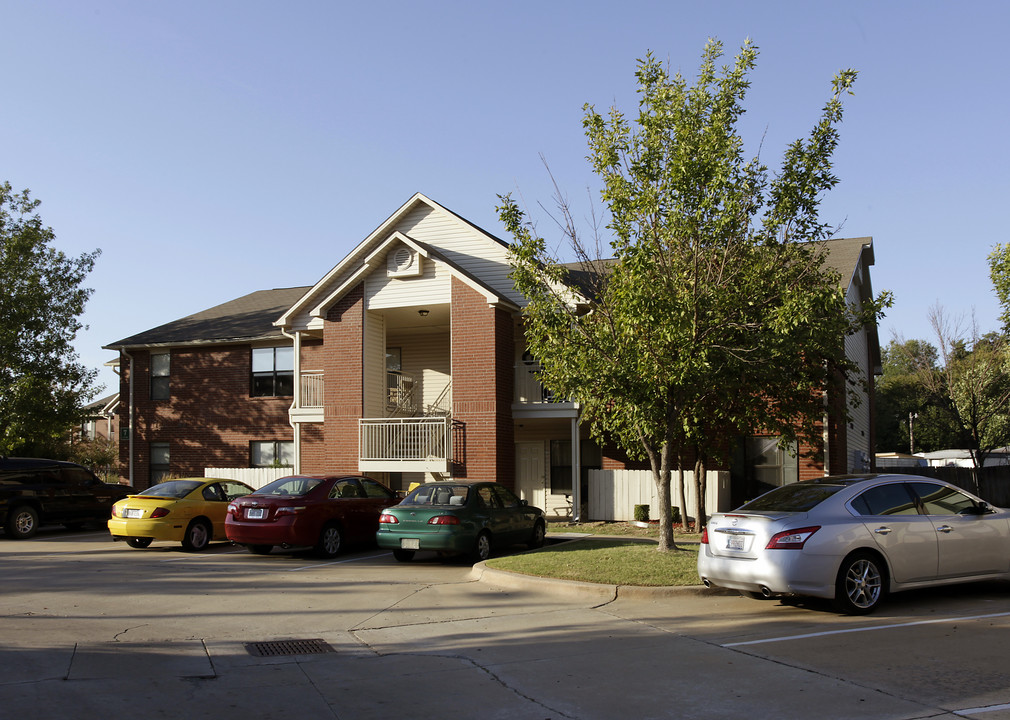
{"x": 213, "y": 148}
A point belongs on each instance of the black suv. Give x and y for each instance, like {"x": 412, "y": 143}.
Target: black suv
{"x": 34, "y": 491}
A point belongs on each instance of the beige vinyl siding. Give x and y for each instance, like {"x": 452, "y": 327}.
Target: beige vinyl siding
{"x": 426, "y": 358}
{"x": 465, "y": 246}
{"x": 374, "y": 370}
{"x": 856, "y": 349}
{"x": 432, "y": 287}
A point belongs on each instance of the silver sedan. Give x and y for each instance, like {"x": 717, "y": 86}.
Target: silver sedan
{"x": 855, "y": 538}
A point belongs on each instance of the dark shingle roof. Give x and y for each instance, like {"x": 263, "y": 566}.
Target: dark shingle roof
{"x": 250, "y": 317}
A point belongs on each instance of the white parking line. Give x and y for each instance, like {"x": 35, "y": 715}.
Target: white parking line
{"x": 338, "y": 562}
{"x": 864, "y": 629}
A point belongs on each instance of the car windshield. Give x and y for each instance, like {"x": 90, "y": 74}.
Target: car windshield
{"x": 173, "y": 488}
{"x": 437, "y": 495}
{"x": 296, "y": 485}
{"x": 797, "y": 497}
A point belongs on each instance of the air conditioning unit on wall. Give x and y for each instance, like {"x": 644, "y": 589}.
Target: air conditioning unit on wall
{"x": 403, "y": 262}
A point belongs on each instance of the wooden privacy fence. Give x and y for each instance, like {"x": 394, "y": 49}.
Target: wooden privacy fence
{"x": 253, "y": 477}
{"x": 993, "y": 483}
{"x": 613, "y": 494}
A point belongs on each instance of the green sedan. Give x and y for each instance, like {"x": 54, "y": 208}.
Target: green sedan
{"x": 459, "y": 518}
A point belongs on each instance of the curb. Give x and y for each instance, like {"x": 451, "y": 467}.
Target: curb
{"x": 575, "y": 588}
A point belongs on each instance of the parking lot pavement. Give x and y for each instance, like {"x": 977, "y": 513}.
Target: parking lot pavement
{"x": 95, "y": 629}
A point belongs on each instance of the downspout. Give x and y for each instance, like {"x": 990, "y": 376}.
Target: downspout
{"x": 576, "y": 472}
{"x": 131, "y": 425}
{"x": 827, "y": 435}
{"x": 296, "y": 401}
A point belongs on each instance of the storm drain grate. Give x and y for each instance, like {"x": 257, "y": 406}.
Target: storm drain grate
{"x": 289, "y": 647}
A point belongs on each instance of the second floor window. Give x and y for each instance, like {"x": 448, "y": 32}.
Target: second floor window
{"x": 273, "y": 371}
{"x": 161, "y": 366}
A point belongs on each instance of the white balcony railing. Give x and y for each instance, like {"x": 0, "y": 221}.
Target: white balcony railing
{"x": 311, "y": 390}
{"x": 405, "y": 444}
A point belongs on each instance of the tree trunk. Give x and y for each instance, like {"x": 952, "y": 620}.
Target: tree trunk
{"x": 699, "y": 492}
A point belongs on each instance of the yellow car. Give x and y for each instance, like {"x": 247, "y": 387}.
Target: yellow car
{"x": 190, "y": 511}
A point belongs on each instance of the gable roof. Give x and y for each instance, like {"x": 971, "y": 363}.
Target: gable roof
{"x": 250, "y": 317}
{"x": 366, "y": 257}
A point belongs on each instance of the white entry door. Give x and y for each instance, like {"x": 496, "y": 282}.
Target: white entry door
{"x": 532, "y": 480}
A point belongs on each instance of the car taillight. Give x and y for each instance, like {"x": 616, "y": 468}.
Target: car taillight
{"x": 288, "y": 510}
{"x": 232, "y": 509}
{"x": 704, "y": 536}
{"x": 791, "y": 539}
{"x": 386, "y": 518}
{"x": 444, "y": 520}
{"x": 159, "y": 512}
{"x": 115, "y": 511}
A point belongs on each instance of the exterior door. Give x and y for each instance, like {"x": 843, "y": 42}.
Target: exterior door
{"x": 532, "y": 480}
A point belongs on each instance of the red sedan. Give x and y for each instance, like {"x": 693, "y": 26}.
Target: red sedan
{"x": 317, "y": 511}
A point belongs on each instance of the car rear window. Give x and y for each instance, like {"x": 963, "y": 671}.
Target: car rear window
{"x": 173, "y": 489}
{"x": 295, "y": 485}
{"x": 437, "y": 495}
{"x": 797, "y": 497}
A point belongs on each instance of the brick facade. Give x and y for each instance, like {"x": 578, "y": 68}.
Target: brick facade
{"x": 210, "y": 418}
{"x": 483, "y": 353}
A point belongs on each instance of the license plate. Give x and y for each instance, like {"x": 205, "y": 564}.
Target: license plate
{"x": 134, "y": 513}
{"x": 734, "y": 542}
{"x": 410, "y": 544}
{"x": 255, "y": 513}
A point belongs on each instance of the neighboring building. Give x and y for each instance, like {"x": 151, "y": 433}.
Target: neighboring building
{"x": 101, "y": 420}
{"x": 962, "y": 458}
{"x": 406, "y": 361}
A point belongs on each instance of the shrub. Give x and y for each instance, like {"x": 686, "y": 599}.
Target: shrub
{"x": 642, "y": 513}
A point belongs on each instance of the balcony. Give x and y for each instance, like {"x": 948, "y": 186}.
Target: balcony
{"x": 308, "y": 404}
{"x": 533, "y": 400}
{"x": 411, "y": 444}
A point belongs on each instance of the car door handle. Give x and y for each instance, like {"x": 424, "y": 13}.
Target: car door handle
{"x": 883, "y": 530}
{"x": 944, "y": 528}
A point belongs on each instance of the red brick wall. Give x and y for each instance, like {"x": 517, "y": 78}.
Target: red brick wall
{"x": 210, "y": 418}
{"x": 482, "y": 387}
{"x": 342, "y": 363}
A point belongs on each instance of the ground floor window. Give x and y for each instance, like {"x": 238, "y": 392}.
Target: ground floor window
{"x": 160, "y": 462}
{"x": 271, "y": 453}
{"x": 561, "y": 464}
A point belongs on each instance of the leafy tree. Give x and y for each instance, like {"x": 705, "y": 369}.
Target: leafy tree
{"x": 907, "y": 388}
{"x": 999, "y": 273}
{"x": 42, "y": 384}
{"x": 716, "y": 315}
{"x": 975, "y": 379}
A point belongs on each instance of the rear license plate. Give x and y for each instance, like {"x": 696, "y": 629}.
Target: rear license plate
{"x": 255, "y": 513}
{"x": 734, "y": 542}
{"x": 410, "y": 544}
{"x": 134, "y": 513}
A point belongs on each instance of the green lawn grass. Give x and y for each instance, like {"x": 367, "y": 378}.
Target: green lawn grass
{"x": 608, "y": 560}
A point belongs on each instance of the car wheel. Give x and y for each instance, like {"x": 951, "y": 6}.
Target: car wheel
{"x": 197, "y": 536}
{"x": 861, "y": 584}
{"x": 482, "y": 547}
{"x": 22, "y": 522}
{"x": 403, "y": 555}
{"x": 260, "y": 549}
{"x": 138, "y": 542}
{"x": 329, "y": 541}
{"x": 539, "y": 535}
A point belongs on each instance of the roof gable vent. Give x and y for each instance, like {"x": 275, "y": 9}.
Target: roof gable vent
{"x": 403, "y": 262}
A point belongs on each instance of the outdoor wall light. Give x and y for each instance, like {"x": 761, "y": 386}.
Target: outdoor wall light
{"x": 422, "y": 313}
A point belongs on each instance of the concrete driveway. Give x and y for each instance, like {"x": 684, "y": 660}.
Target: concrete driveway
{"x": 95, "y": 629}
